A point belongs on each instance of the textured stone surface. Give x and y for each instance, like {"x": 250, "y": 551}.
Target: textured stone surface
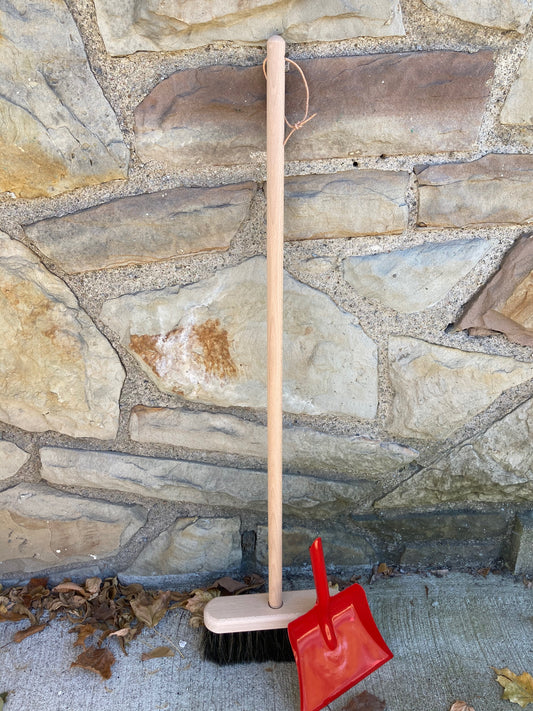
{"x": 518, "y": 106}
{"x": 504, "y": 14}
{"x": 304, "y": 450}
{"x": 404, "y": 103}
{"x": 505, "y": 303}
{"x": 48, "y": 528}
{"x": 347, "y": 204}
{"x": 493, "y": 467}
{"x": 413, "y": 279}
{"x": 521, "y": 553}
{"x": 57, "y": 130}
{"x": 207, "y": 342}
{"x": 144, "y": 228}
{"x": 152, "y": 25}
{"x": 192, "y": 545}
{"x": 192, "y": 482}
{"x": 495, "y": 189}
{"x": 451, "y": 554}
{"x": 11, "y": 459}
{"x": 438, "y": 389}
{"x": 341, "y": 547}
{"x": 58, "y": 372}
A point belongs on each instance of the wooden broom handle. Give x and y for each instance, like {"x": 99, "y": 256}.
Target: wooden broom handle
{"x": 275, "y": 120}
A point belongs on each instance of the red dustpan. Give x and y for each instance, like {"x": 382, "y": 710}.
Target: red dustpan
{"x": 337, "y": 643}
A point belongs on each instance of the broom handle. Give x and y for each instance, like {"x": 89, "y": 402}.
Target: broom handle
{"x": 275, "y": 198}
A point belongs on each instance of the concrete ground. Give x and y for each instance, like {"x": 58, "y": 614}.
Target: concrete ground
{"x": 445, "y": 633}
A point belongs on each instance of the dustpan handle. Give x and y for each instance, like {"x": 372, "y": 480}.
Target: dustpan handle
{"x": 275, "y": 199}
{"x": 319, "y": 572}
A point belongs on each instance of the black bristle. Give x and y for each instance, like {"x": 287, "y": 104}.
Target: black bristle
{"x": 244, "y": 647}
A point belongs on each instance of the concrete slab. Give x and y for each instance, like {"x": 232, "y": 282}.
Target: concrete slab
{"x": 445, "y": 633}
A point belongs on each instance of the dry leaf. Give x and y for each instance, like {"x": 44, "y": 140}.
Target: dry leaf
{"x": 517, "y": 689}
{"x": 461, "y": 706}
{"x": 157, "y": 652}
{"x": 68, "y": 586}
{"x": 83, "y": 631}
{"x": 32, "y": 629}
{"x": 150, "y": 609}
{"x": 3, "y": 697}
{"x": 96, "y": 660}
{"x": 365, "y": 701}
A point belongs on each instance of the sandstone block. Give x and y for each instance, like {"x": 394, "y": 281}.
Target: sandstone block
{"x": 57, "y": 130}
{"x": 11, "y": 459}
{"x": 58, "y": 371}
{"x": 347, "y": 204}
{"x": 48, "y": 528}
{"x": 503, "y": 14}
{"x": 305, "y": 450}
{"x": 438, "y": 389}
{"x": 143, "y": 25}
{"x": 192, "y": 545}
{"x": 518, "y": 106}
{"x": 207, "y": 342}
{"x": 411, "y": 280}
{"x": 389, "y": 104}
{"x": 144, "y": 228}
{"x": 521, "y": 553}
{"x": 196, "y": 483}
{"x": 495, "y": 189}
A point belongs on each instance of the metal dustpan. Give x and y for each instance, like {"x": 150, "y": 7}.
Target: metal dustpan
{"x": 337, "y": 643}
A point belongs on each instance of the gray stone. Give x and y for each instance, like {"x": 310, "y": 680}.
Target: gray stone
{"x": 57, "y": 130}
{"x": 437, "y": 389}
{"x": 495, "y": 189}
{"x": 503, "y": 14}
{"x": 451, "y": 554}
{"x": 521, "y": 553}
{"x": 493, "y": 467}
{"x": 207, "y": 342}
{"x": 192, "y": 545}
{"x": 196, "y": 483}
{"x": 449, "y": 90}
{"x": 47, "y": 528}
{"x": 12, "y": 458}
{"x": 349, "y": 204}
{"x": 518, "y": 106}
{"x": 144, "y": 228}
{"x": 413, "y": 279}
{"x": 58, "y": 371}
{"x": 341, "y": 547}
{"x": 155, "y": 25}
{"x": 305, "y": 450}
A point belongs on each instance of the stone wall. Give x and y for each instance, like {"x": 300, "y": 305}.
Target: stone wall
{"x": 132, "y": 273}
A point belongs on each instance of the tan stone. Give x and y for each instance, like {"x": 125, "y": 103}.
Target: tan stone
{"x": 48, "y": 528}
{"x": 58, "y": 372}
{"x": 495, "y": 189}
{"x": 437, "y": 390}
{"x": 207, "y": 342}
{"x": 348, "y": 204}
{"x": 304, "y": 450}
{"x": 154, "y": 25}
{"x": 197, "y": 483}
{"x": 505, "y": 303}
{"x": 192, "y": 545}
{"x": 503, "y": 14}
{"x": 518, "y": 106}
{"x": 57, "y": 130}
{"x": 12, "y": 458}
{"x": 144, "y": 228}
{"x": 493, "y": 467}
{"x": 404, "y": 103}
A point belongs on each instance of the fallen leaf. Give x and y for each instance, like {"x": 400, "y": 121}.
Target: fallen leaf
{"x": 517, "y": 689}
{"x": 95, "y": 659}
{"x": 3, "y": 697}
{"x": 157, "y": 652}
{"x": 229, "y": 585}
{"x": 150, "y": 609}
{"x": 83, "y": 632}
{"x": 365, "y": 701}
{"x": 68, "y": 586}
{"x": 32, "y": 629}
{"x": 461, "y": 706}
{"x": 199, "y": 599}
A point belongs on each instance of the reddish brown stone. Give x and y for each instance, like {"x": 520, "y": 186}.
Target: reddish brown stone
{"x": 505, "y": 303}
{"x": 371, "y": 105}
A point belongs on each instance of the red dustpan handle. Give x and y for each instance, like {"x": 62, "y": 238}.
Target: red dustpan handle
{"x": 322, "y": 592}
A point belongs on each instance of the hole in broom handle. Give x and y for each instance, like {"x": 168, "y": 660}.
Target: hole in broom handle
{"x": 275, "y": 198}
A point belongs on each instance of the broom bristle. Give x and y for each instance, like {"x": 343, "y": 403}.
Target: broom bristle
{"x": 244, "y": 647}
